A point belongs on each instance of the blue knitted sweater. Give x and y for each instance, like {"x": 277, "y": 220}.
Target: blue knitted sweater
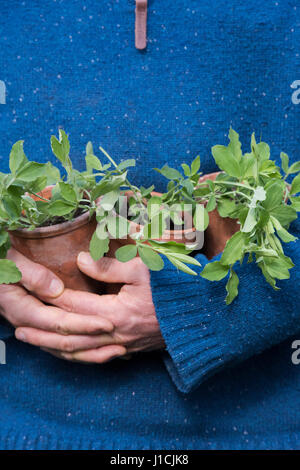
{"x": 226, "y": 380}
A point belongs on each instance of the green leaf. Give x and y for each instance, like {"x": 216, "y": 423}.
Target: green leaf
{"x": 89, "y": 148}
{"x": 17, "y": 157}
{"x": 195, "y": 166}
{"x": 250, "y": 221}
{"x": 170, "y": 247}
{"x": 265, "y": 252}
{"x": 282, "y": 233}
{"x": 269, "y": 168}
{"x": 156, "y": 227}
{"x": 150, "y": 258}
{"x": 267, "y": 276}
{"x": 15, "y": 191}
{"x": 274, "y": 196}
{"x": 189, "y": 186}
{"x": 215, "y": 271}
{"x": 12, "y": 207}
{"x": 295, "y": 188}
{"x": 247, "y": 165}
{"x": 295, "y": 203}
{"x": 68, "y": 193}
{"x": 226, "y": 161}
{"x": 276, "y": 268}
{"x": 61, "y": 147}
{"x": 146, "y": 191}
{"x": 101, "y": 229}
{"x": 4, "y": 243}
{"x": 38, "y": 184}
{"x": 226, "y": 207}
{"x": 3, "y": 237}
{"x": 52, "y": 173}
{"x": 93, "y": 163}
{"x": 285, "y": 214}
{"x": 186, "y": 169}
{"x": 185, "y": 258}
{"x": 9, "y": 273}
{"x": 169, "y": 173}
{"x": 31, "y": 171}
{"x": 201, "y": 218}
{"x": 286, "y": 260}
{"x": 263, "y": 218}
{"x": 126, "y": 164}
{"x": 109, "y": 199}
{"x": 294, "y": 168}
{"x": 234, "y": 249}
{"x": 212, "y": 203}
{"x": 235, "y": 144}
{"x": 98, "y": 247}
{"x": 262, "y": 151}
{"x": 60, "y": 208}
{"x": 117, "y": 226}
{"x": 126, "y": 253}
{"x": 180, "y": 265}
{"x": 63, "y": 138}
{"x": 232, "y": 287}
{"x": 284, "y": 162}
{"x": 154, "y": 206}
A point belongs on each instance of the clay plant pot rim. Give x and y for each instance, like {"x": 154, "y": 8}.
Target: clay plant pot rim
{"x": 53, "y": 230}
{"x": 208, "y": 176}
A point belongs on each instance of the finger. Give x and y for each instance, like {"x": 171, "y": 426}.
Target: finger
{"x": 23, "y": 309}
{"x": 98, "y": 356}
{"x": 35, "y": 277}
{"x": 87, "y": 303}
{"x": 71, "y": 343}
{"x": 111, "y": 270}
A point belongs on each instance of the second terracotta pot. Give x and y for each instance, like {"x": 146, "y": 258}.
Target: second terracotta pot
{"x": 219, "y": 229}
{"x": 58, "y": 246}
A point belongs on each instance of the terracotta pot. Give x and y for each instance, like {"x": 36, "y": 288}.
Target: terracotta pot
{"x": 57, "y": 247}
{"x": 219, "y": 230}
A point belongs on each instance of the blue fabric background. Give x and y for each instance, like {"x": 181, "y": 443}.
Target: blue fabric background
{"x": 73, "y": 64}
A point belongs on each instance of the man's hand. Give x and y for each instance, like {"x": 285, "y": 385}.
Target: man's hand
{"x": 131, "y": 311}
{"x": 48, "y": 326}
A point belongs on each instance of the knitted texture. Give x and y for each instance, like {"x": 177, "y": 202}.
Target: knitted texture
{"x": 203, "y": 334}
{"x": 73, "y": 64}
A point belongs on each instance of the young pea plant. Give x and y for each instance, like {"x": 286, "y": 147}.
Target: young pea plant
{"x": 22, "y": 206}
{"x": 251, "y": 189}
{"x": 120, "y": 208}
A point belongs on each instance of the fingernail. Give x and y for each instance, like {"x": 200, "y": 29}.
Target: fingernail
{"x": 20, "y": 335}
{"x": 82, "y": 258}
{"x": 56, "y": 287}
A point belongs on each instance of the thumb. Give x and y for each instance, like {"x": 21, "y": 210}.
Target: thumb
{"x": 110, "y": 269}
{"x": 35, "y": 277}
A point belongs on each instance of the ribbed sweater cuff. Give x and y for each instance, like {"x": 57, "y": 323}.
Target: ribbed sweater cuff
{"x": 194, "y": 350}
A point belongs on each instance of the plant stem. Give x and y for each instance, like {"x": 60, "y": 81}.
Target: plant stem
{"x": 235, "y": 192}
{"x": 134, "y": 189}
{"x": 232, "y": 183}
{"x": 39, "y": 196}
